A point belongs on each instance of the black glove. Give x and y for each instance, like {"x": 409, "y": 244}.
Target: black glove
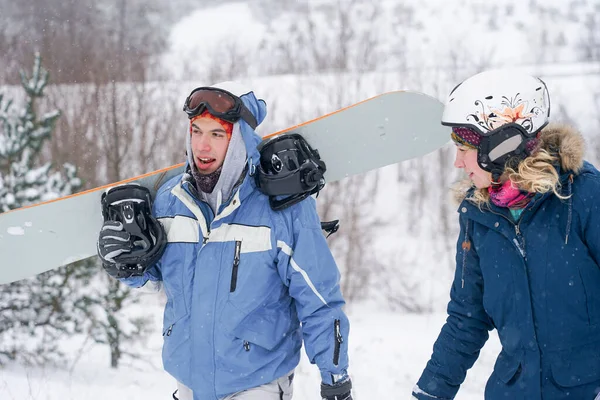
{"x": 112, "y": 242}
{"x": 339, "y": 391}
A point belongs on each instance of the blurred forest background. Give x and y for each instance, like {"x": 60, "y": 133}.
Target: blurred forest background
{"x": 110, "y": 108}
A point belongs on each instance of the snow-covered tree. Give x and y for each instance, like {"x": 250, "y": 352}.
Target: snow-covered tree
{"x": 37, "y": 311}
{"x": 76, "y": 299}
{"x": 22, "y": 136}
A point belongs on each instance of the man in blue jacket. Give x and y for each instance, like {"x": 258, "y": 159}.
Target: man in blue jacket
{"x": 245, "y": 285}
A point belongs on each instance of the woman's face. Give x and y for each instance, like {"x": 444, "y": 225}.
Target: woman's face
{"x": 466, "y": 158}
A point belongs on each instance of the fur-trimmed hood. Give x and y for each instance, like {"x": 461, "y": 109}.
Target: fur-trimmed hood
{"x": 568, "y": 142}
{"x": 554, "y": 138}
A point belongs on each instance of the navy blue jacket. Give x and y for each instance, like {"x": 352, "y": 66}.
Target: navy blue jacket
{"x": 537, "y": 281}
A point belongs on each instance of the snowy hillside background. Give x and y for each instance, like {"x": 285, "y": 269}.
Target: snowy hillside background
{"x": 400, "y": 288}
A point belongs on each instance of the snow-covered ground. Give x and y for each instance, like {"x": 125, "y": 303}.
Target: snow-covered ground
{"x": 388, "y": 352}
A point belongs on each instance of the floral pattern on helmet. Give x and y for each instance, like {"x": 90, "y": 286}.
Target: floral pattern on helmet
{"x": 513, "y": 110}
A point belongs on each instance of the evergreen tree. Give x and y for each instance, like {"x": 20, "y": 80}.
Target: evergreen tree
{"x": 34, "y": 313}
{"x": 79, "y": 298}
{"x": 21, "y": 139}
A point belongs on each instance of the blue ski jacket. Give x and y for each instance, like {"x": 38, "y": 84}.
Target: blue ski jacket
{"x": 537, "y": 281}
{"x": 245, "y": 287}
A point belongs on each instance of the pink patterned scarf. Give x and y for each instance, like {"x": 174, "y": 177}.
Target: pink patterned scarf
{"x": 509, "y": 196}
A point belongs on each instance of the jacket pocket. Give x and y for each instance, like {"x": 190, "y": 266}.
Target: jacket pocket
{"x": 266, "y": 326}
{"x": 578, "y": 366}
{"x": 507, "y": 367}
{"x": 589, "y": 273}
{"x": 175, "y": 354}
{"x": 175, "y": 310}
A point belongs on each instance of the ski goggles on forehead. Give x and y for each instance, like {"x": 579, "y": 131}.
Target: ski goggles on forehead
{"x": 220, "y": 103}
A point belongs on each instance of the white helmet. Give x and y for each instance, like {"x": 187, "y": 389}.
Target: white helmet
{"x": 507, "y": 108}
{"x": 493, "y": 98}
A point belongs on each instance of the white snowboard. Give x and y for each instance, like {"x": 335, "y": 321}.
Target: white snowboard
{"x": 382, "y": 130}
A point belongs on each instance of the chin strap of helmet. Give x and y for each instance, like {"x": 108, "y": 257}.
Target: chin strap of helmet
{"x": 131, "y": 204}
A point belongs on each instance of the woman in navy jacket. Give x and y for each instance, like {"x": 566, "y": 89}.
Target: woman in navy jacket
{"x": 528, "y": 252}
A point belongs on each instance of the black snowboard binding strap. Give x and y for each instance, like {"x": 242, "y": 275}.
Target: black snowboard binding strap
{"x": 131, "y": 204}
{"x": 330, "y": 227}
{"x": 289, "y": 170}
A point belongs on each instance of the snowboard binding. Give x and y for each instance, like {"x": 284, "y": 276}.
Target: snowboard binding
{"x": 330, "y": 227}
{"x": 131, "y": 204}
{"x": 289, "y": 170}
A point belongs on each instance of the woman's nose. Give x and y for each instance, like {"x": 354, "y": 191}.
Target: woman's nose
{"x": 459, "y": 160}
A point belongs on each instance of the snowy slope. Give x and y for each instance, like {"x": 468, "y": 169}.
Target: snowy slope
{"x": 388, "y": 352}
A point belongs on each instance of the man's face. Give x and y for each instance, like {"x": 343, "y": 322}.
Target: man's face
{"x": 466, "y": 158}
{"x": 209, "y": 144}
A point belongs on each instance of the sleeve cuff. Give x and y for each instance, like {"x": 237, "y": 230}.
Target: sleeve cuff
{"x": 419, "y": 394}
{"x": 331, "y": 379}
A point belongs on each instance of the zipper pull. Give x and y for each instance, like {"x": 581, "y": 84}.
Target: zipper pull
{"x": 246, "y": 345}
{"x": 238, "y": 249}
{"x": 168, "y": 333}
{"x": 517, "y": 230}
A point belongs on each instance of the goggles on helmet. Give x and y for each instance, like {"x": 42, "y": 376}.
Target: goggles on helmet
{"x": 219, "y": 103}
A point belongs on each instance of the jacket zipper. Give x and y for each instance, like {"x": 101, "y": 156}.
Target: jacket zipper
{"x": 519, "y": 242}
{"x": 338, "y": 342}
{"x": 520, "y": 239}
{"x": 169, "y": 330}
{"x": 236, "y": 264}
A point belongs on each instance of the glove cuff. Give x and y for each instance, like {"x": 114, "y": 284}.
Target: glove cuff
{"x": 338, "y": 389}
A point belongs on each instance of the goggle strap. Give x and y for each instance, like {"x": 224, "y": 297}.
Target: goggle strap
{"x": 247, "y": 116}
